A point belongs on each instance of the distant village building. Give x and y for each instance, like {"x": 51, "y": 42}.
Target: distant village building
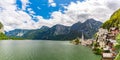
{"x": 82, "y": 41}
{"x": 106, "y": 40}
{"x": 101, "y": 37}
{"x": 112, "y": 33}
{"x": 107, "y": 56}
{"x": 85, "y": 42}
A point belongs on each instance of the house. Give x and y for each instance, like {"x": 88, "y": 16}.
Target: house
{"x": 114, "y": 30}
{"x": 112, "y": 33}
{"x": 101, "y": 37}
{"x": 107, "y": 56}
{"x": 106, "y": 40}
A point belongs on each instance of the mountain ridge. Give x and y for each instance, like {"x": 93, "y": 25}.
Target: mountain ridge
{"x": 61, "y": 32}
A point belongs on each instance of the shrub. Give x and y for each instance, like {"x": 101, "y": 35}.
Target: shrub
{"x": 97, "y": 51}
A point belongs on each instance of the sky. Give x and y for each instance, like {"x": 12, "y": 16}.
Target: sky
{"x": 33, "y": 14}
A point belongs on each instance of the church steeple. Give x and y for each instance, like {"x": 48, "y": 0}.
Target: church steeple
{"x": 82, "y": 36}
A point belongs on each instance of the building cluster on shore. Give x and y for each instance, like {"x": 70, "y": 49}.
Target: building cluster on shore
{"x": 105, "y": 40}
{"x": 103, "y": 44}
{"x": 82, "y": 41}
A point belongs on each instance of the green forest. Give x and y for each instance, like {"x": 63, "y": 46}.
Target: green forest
{"x": 114, "y": 20}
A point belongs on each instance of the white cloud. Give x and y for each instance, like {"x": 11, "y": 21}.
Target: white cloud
{"x": 100, "y": 10}
{"x": 31, "y": 12}
{"x": 57, "y": 18}
{"x": 24, "y": 3}
{"x": 80, "y": 11}
{"x": 13, "y": 19}
{"x": 97, "y": 9}
{"x": 52, "y": 3}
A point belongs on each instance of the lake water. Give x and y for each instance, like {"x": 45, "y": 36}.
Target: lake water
{"x": 44, "y": 50}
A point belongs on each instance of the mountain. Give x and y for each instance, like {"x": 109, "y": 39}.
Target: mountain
{"x": 35, "y": 34}
{"x": 56, "y": 32}
{"x": 17, "y": 32}
{"x": 43, "y": 28}
{"x": 114, "y": 20}
{"x": 61, "y": 32}
{"x": 88, "y": 28}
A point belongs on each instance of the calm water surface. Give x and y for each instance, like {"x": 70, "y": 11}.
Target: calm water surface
{"x": 44, "y": 50}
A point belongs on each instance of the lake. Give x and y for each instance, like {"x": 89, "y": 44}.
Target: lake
{"x": 44, "y": 50}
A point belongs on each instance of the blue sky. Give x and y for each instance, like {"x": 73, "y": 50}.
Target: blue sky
{"x": 43, "y": 8}
{"x": 33, "y": 14}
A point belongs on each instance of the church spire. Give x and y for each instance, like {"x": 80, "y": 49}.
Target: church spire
{"x": 82, "y": 36}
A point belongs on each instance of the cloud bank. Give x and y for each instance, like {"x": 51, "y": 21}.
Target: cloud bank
{"x": 80, "y": 11}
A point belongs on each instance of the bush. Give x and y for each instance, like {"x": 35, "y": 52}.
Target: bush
{"x": 118, "y": 38}
{"x": 118, "y": 47}
{"x": 3, "y": 36}
{"x": 97, "y": 51}
{"x": 117, "y": 57}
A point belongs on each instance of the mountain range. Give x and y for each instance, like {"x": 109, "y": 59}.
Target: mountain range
{"x": 59, "y": 32}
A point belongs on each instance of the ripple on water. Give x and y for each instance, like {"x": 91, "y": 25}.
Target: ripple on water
{"x": 44, "y": 50}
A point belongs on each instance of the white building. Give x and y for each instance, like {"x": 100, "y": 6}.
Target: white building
{"x": 101, "y": 36}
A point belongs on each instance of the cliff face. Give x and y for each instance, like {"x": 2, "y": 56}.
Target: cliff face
{"x": 1, "y": 28}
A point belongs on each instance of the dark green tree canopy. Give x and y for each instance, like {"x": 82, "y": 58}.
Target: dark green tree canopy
{"x": 114, "y": 20}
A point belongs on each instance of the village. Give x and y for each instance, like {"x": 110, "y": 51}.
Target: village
{"x": 103, "y": 44}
